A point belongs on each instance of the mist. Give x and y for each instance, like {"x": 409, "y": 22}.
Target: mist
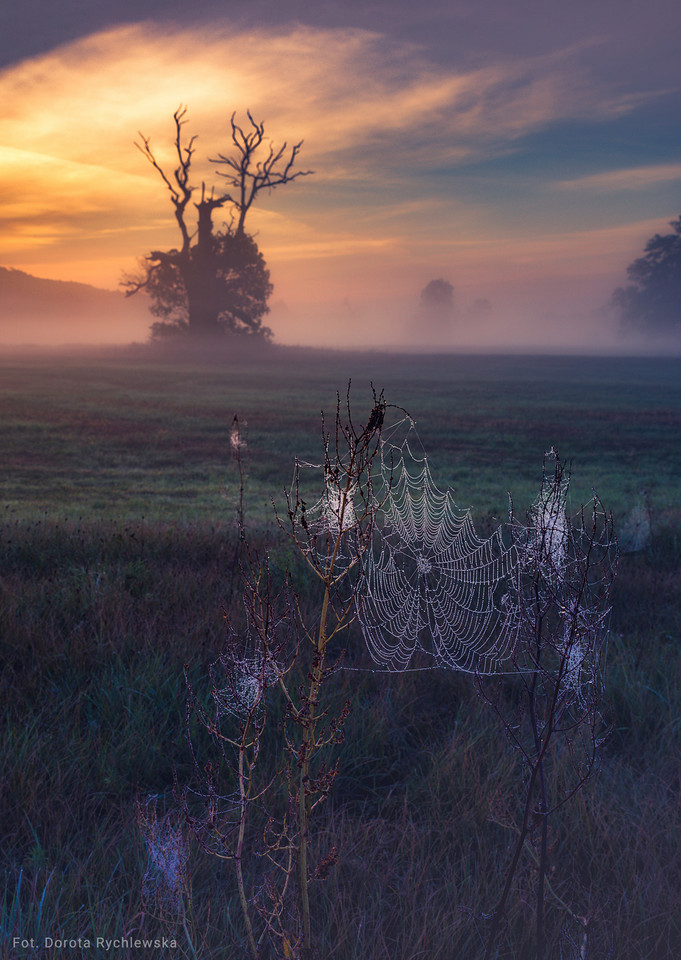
{"x": 499, "y": 319}
{"x": 38, "y": 312}
{"x": 553, "y": 317}
{"x": 527, "y": 177}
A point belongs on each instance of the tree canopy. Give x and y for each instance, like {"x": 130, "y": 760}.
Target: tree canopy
{"x": 234, "y": 286}
{"x": 438, "y": 296}
{"x": 652, "y": 301}
{"x": 217, "y": 281}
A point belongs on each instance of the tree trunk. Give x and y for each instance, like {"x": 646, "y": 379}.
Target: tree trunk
{"x": 199, "y": 275}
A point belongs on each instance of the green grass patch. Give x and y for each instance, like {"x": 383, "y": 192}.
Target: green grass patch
{"x": 107, "y": 438}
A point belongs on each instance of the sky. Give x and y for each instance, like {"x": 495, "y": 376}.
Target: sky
{"x": 522, "y": 150}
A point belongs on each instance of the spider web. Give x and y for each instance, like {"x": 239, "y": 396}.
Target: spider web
{"x": 166, "y": 874}
{"x": 334, "y": 522}
{"x": 431, "y": 584}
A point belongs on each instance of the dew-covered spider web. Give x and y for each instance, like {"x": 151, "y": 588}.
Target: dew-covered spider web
{"x": 431, "y": 584}
{"x": 166, "y": 874}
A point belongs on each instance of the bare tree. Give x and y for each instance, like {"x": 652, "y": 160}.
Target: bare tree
{"x": 214, "y": 281}
{"x": 247, "y": 176}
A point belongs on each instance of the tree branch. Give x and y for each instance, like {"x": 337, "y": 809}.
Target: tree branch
{"x": 247, "y": 175}
{"x": 180, "y": 190}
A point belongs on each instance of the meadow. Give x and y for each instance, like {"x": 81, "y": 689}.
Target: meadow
{"x": 118, "y": 564}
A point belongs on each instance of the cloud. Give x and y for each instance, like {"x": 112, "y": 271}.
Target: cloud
{"x": 368, "y": 108}
{"x": 633, "y": 178}
{"x": 386, "y": 130}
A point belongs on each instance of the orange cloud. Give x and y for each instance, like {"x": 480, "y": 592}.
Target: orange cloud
{"x": 79, "y": 202}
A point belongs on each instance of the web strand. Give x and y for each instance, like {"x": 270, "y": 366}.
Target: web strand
{"x": 432, "y": 586}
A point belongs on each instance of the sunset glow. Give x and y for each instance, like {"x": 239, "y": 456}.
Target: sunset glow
{"x": 422, "y": 169}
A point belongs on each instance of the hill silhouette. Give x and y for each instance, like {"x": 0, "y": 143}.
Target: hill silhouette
{"x": 49, "y": 312}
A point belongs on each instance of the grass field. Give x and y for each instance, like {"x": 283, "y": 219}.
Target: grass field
{"x": 126, "y": 439}
{"x": 117, "y": 563}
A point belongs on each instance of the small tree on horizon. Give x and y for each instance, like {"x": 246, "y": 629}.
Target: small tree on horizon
{"x": 216, "y": 281}
{"x": 437, "y": 297}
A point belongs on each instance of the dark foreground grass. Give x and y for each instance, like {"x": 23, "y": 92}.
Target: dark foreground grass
{"x": 97, "y": 620}
{"x": 98, "y": 615}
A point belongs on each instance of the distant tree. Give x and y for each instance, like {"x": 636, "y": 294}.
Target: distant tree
{"x": 437, "y": 297}
{"x": 480, "y": 310}
{"x": 652, "y": 302}
{"x": 216, "y": 281}
{"x": 433, "y": 324}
